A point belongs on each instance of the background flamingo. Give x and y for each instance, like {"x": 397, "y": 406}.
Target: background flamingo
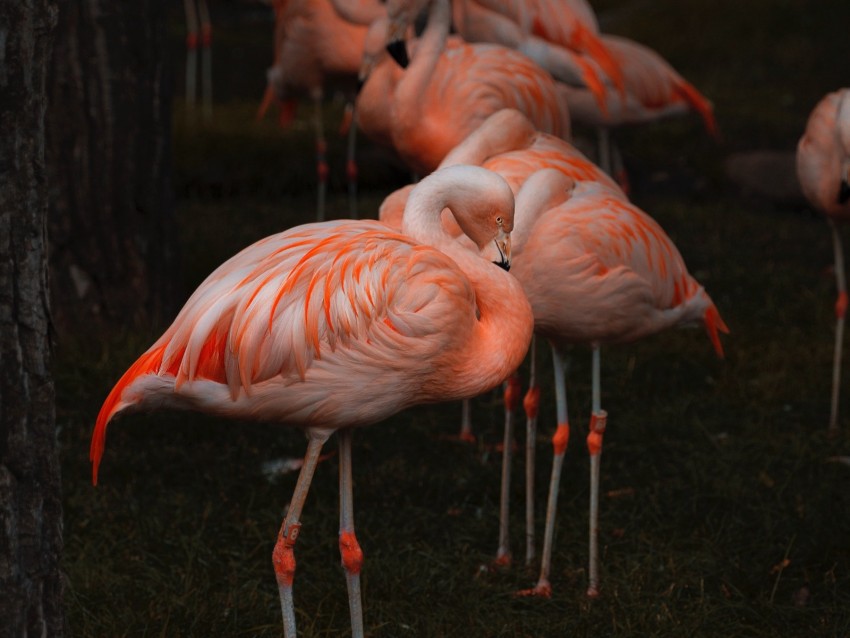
{"x": 296, "y": 326}
{"x": 198, "y": 36}
{"x": 446, "y": 92}
{"x": 823, "y": 168}
{"x": 651, "y": 90}
{"x": 318, "y": 44}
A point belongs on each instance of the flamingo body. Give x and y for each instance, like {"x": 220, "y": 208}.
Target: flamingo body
{"x": 823, "y": 169}
{"x": 333, "y": 325}
{"x": 448, "y": 90}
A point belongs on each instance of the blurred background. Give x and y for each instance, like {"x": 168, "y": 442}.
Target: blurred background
{"x": 725, "y": 507}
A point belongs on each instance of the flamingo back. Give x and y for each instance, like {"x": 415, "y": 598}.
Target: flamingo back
{"x": 297, "y": 323}
{"x": 823, "y": 154}
{"x": 597, "y": 269}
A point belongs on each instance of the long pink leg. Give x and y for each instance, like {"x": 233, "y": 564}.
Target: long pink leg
{"x": 191, "y": 56}
{"x": 206, "y": 58}
{"x": 466, "y": 422}
{"x": 840, "y": 311}
{"x": 598, "y": 420}
{"x": 349, "y": 548}
{"x": 503, "y": 553}
{"x": 559, "y": 443}
{"x": 531, "y": 405}
{"x": 283, "y": 556}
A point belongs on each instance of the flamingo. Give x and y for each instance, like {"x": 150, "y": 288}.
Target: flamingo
{"x": 294, "y": 327}
{"x": 652, "y": 90}
{"x": 508, "y": 143}
{"x": 199, "y": 35}
{"x": 823, "y": 168}
{"x": 319, "y": 43}
{"x": 562, "y": 36}
{"x": 596, "y": 270}
{"x": 447, "y": 91}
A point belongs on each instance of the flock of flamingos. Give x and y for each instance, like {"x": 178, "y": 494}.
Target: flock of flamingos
{"x": 339, "y": 324}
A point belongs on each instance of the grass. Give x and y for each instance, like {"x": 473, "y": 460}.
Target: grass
{"x": 722, "y": 513}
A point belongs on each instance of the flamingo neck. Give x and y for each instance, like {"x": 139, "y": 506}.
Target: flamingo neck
{"x": 362, "y": 12}
{"x": 429, "y": 47}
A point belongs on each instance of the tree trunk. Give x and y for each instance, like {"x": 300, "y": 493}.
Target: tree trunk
{"x": 30, "y": 497}
{"x": 111, "y": 225}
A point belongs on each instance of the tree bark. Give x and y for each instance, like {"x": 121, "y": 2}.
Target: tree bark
{"x": 30, "y": 490}
{"x": 112, "y": 230}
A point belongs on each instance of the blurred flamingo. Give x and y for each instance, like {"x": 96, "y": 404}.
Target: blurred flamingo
{"x": 651, "y": 90}
{"x": 198, "y": 36}
{"x": 295, "y": 327}
{"x": 318, "y": 44}
{"x": 562, "y": 36}
{"x": 823, "y": 168}
{"x": 447, "y": 91}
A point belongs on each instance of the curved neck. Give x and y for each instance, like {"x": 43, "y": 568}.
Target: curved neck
{"x": 362, "y": 12}
{"x": 427, "y": 53}
{"x": 506, "y": 130}
{"x": 542, "y": 191}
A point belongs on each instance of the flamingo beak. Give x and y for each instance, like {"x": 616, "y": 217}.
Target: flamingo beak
{"x": 398, "y": 49}
{"x": 503, "y": 245}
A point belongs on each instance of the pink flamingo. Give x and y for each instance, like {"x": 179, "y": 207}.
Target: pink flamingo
{"x": 508, "y": 143}
{"x": 596, "y": 269}
{"x": 296, "y": 326}
{"x": 319, "y": 43}
{"x": 651, "y": 90}
{"x": 823, "y": 168}
{"x": 447, "y": 91}
{"x": 562, "y": 36}
{"x": 198, "y": 36}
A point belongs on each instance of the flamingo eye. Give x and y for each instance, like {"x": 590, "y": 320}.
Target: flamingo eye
{"x": 499, "y": 220}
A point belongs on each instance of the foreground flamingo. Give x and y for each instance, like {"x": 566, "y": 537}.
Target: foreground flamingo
{"x": 341, "y": 324}
{"x": 823, "y": 168}
{"x": 446, "y": 92}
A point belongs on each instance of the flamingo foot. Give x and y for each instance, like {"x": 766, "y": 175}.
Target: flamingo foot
{"x": 543, "y": 589}
{"x": 593, "y": 592}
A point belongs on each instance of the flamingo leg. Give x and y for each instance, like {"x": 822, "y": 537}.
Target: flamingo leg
{"x": 349, "y": 548}
{"x": 840, "y": 311}
{"x": 466, "y": 422}
{"x": 206, "y": 58}
{"x": 531, "y": 404}
{"x": 191, "y": 56}
{"x": 321, "y": 156}
{"x": 594, "y": 445}
{"x": 559, "y": 443}
{"x": 351, "y": 163}
{"x": 503, "y": 553}
{"x": 283, "y": 556}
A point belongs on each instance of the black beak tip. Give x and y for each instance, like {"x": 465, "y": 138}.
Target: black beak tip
{"x": 844, "y": 192}
{"x": 504, "y": 265}
{"x": 398, "y": 49}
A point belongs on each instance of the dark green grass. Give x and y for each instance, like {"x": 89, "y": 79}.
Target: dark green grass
{"x": 721, "y": 513}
